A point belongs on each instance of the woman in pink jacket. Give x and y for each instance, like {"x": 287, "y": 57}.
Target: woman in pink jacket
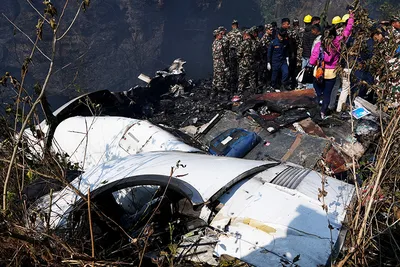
{"x": 329, "y": 50}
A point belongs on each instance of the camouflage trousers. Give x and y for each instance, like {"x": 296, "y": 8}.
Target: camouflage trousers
{"x": 247, "y": 75}
{"x": 234, "y": 69}
{"x": 219, "y": 78}
{"x": 263, "y": 72}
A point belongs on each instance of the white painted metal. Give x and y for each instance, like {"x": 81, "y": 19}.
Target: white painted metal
{"x": 268, "y": 223}
{"x": 90, "y": 141}
{"x": 207, "y": 174}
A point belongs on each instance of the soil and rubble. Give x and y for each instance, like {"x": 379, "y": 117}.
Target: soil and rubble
{"x": 288, "y": 122}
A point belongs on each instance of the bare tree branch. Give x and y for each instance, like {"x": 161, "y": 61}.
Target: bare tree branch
{"x": 37, "y": 11}
{"x": 62, "y": 13}
{"x": 26, "y": 36}
{"x": 72, "y": 23}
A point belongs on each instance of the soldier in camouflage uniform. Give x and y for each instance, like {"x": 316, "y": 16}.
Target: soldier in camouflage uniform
{"x": 257, "y": 53}
{"x": 219, "y": 64}
{"x": 264, "y": 43}
{"x": 383, "y": 60}
{"x": 394, "y": 32}
{"x": 235, "y": 39}
{"x": 225, "y": 47}
{"x": 246, "y": 55}
{"x": 298, "y": 34}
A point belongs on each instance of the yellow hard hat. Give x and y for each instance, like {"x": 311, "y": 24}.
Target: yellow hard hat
{"x": 336, "y": 20}
{"x": 345, "y": 17}
{"x": 308, "y": 18}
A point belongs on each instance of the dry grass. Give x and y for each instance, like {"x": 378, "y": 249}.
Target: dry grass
{"x": 374, "y": 230}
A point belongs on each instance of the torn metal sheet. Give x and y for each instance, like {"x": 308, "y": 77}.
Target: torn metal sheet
{"x": 282, "y": 101}
{"x": 311, "y": 128}
{"x": 284, "y": 145}
{"x": 260, "y": 212}
{"x": 345, "y": 141}
{"x": 264, "y": 224}
{"x": 336, "y": 161}
{"x": 307, "y": 150}
{"x": 291, "y": 116}
{"x": 200, "y": 178}
{"x": 144, "y": 78}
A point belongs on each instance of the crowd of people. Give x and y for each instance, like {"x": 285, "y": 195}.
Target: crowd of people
{"x": 258, "y": 59}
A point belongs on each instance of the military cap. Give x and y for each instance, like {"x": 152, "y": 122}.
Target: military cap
{"x": 269, "y": 26}
{"x": 253, "y": 29}
{"x": 235, "y": 21}
{"x": 222, "y": 29}
{"x": 216, "y": 32}
{"x": 296, "y": 21}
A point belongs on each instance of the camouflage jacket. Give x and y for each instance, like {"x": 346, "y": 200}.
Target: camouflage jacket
{"x": 225, "y": 47}
{"x": 265, "y": 42}
{"x": 257, "y": 48}
{"x": 247, "y": 50}
{"x": 294, "y": 41}
{"x": 235, "y": 38}
{"x": 297, "y": 34}
{"x": 395, "y": 34}
{"x": 218, "y": 51}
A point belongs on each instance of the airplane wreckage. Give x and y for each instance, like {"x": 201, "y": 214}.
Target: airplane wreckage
{"x": 166, "y": 164}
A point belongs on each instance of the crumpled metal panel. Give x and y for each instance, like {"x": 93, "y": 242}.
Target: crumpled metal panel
{"x": 267, "y": 225}
{"x": 209, "y": 175}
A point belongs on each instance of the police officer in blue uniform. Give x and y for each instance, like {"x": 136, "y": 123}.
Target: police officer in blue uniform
{"x": 278, "y": 59}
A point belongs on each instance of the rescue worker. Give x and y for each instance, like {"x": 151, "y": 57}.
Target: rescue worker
{"x": 299, "y": 32}
{"x": 246, "y": 55}
{"x": 337, "y": 23}
{"x": 389, "y": 64}
{"x": 257, "y": 53}
{"x": 225, "y": 41}
{"x": 264, "y": 43}
{"x": 395, "y": 30}
{"x": 308, "y": 39}
{"x": 235, "y": 38}
{"x": 330, "y": 45}
{"x": 274, "y": 29}
{"x": 317, "y": 32}
{"x": 316, "y": 20}
{"x": 293, "y": 39}
{"x": 219, "y": 65}
{"x": 278, "y": 59}
{"x": 343, "y": 81}
{"x": 225, "y": 47}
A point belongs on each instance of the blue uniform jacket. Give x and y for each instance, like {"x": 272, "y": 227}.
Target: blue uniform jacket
{"x": 278, "y": 52}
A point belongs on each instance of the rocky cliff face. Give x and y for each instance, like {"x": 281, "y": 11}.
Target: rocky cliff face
{"x": 116, "y": 40}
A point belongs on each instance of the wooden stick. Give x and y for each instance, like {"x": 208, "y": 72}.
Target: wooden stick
{"x": 90, "y": 225}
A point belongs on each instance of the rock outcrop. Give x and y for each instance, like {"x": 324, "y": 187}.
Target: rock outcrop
{"x": 115, "y": 40}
